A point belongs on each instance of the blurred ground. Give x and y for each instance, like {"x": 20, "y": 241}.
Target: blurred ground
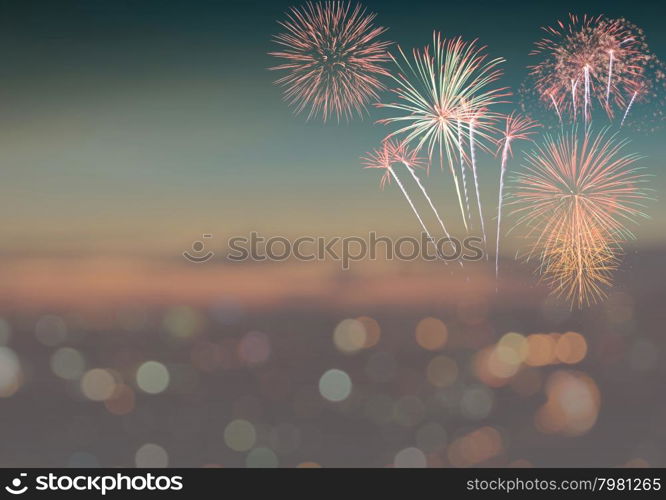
{"x": 123, "y": 363}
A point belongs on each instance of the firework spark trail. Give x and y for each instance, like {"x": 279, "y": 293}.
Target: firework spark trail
{"x": 439, "y": 86}
{"x": 633, "y": 98}
{"x": 332, "y": 58}
{"x": 576, "y": 196}
{"x": 574, "y": 84}
{"x": 586, "y": 109}
{"x": 461, "y": 153}
{"x": 578, "y": 237}
{"x": 456, "y": 183}
{"x": 411, "y": 204}
{"x": 557, "y": 109}
{"x": 472, "y": 151}
{"x": 432, "y": 206}
{"x": 517, "y": 128}
{"x": 383, "y": 158}
{"x": 505, "y": 156}
{"x": 409, "y": 158}
{"x": 610, "y": 75}
{"x": 425, "y": 194}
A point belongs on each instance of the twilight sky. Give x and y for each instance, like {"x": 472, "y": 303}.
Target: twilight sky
{"x": 133, "y": 127}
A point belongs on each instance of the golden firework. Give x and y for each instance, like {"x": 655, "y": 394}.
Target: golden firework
{"x": 576, "y": 195}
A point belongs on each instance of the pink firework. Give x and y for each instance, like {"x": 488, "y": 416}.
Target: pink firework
{"x": 589, "y": 62}
{"x": 332, "y": 57}
{"x": 385, "y": 159}
{"x": 402, "y": 153}
{"x": 392, "y": 154}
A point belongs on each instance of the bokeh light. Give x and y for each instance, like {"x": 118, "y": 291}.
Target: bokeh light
{"x": 350, "y": 336}
{"x": 431, "y": 334}
{"x": 262, "y": 458}
{"x": 571, "y": 348}
{"x": 410, "y": 458}
{"x": 122, "y": 401}
{"x": 373, "y": 331}
{"x": 309, "y": 465}
{"x": 51, "y": 330}
{"x": 476, "y": 447}
{"x": 152, "y": 377}
{"x": 335, "y": 385}
{"x": 254, "y": 348}
{"x": 240, "y": 435}
{"x": 10, "y": 372}
{"x": 541, "y": 349}
{"x": 98, "y": 384}
{"x": 572, "y": 406}
{"x": 477, "y": 403}
{"x": 151, "y": 455}
{"x": 182, "y": 323}
{"x": 68, "y": 363}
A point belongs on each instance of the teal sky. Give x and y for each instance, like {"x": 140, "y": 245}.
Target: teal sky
{"x": 134, "y": 127}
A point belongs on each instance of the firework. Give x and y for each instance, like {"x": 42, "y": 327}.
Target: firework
{"x": 461, "y": 155}
{"x": 646, "y": 90}
{"x": 472, "y": 150}
{"x": 578, "y": 266}
{"x": 439, "y": 88}
{"x": 333, "y": 59}
{"x": 393, "y": 152}
{"x": 631, "y": 102}
{"x": 576, "y": 197}
{"x": 516, "y": 128}
{"x": 409, "y": 158}
{"x": 587, "y": 60}
{"x": 384, "y": 158}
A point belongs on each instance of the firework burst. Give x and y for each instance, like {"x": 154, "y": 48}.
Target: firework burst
{"x": 333, "y": 59}
{"x": 589, "y": 60}
{"x": 393, "y": 153}
{"x": 384, "y": 158}
{"x": 443, "y": 90}
{"x": 576, "y": 197}
{"x": 517, "y": 128}
{"x": 579, "y": 268}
